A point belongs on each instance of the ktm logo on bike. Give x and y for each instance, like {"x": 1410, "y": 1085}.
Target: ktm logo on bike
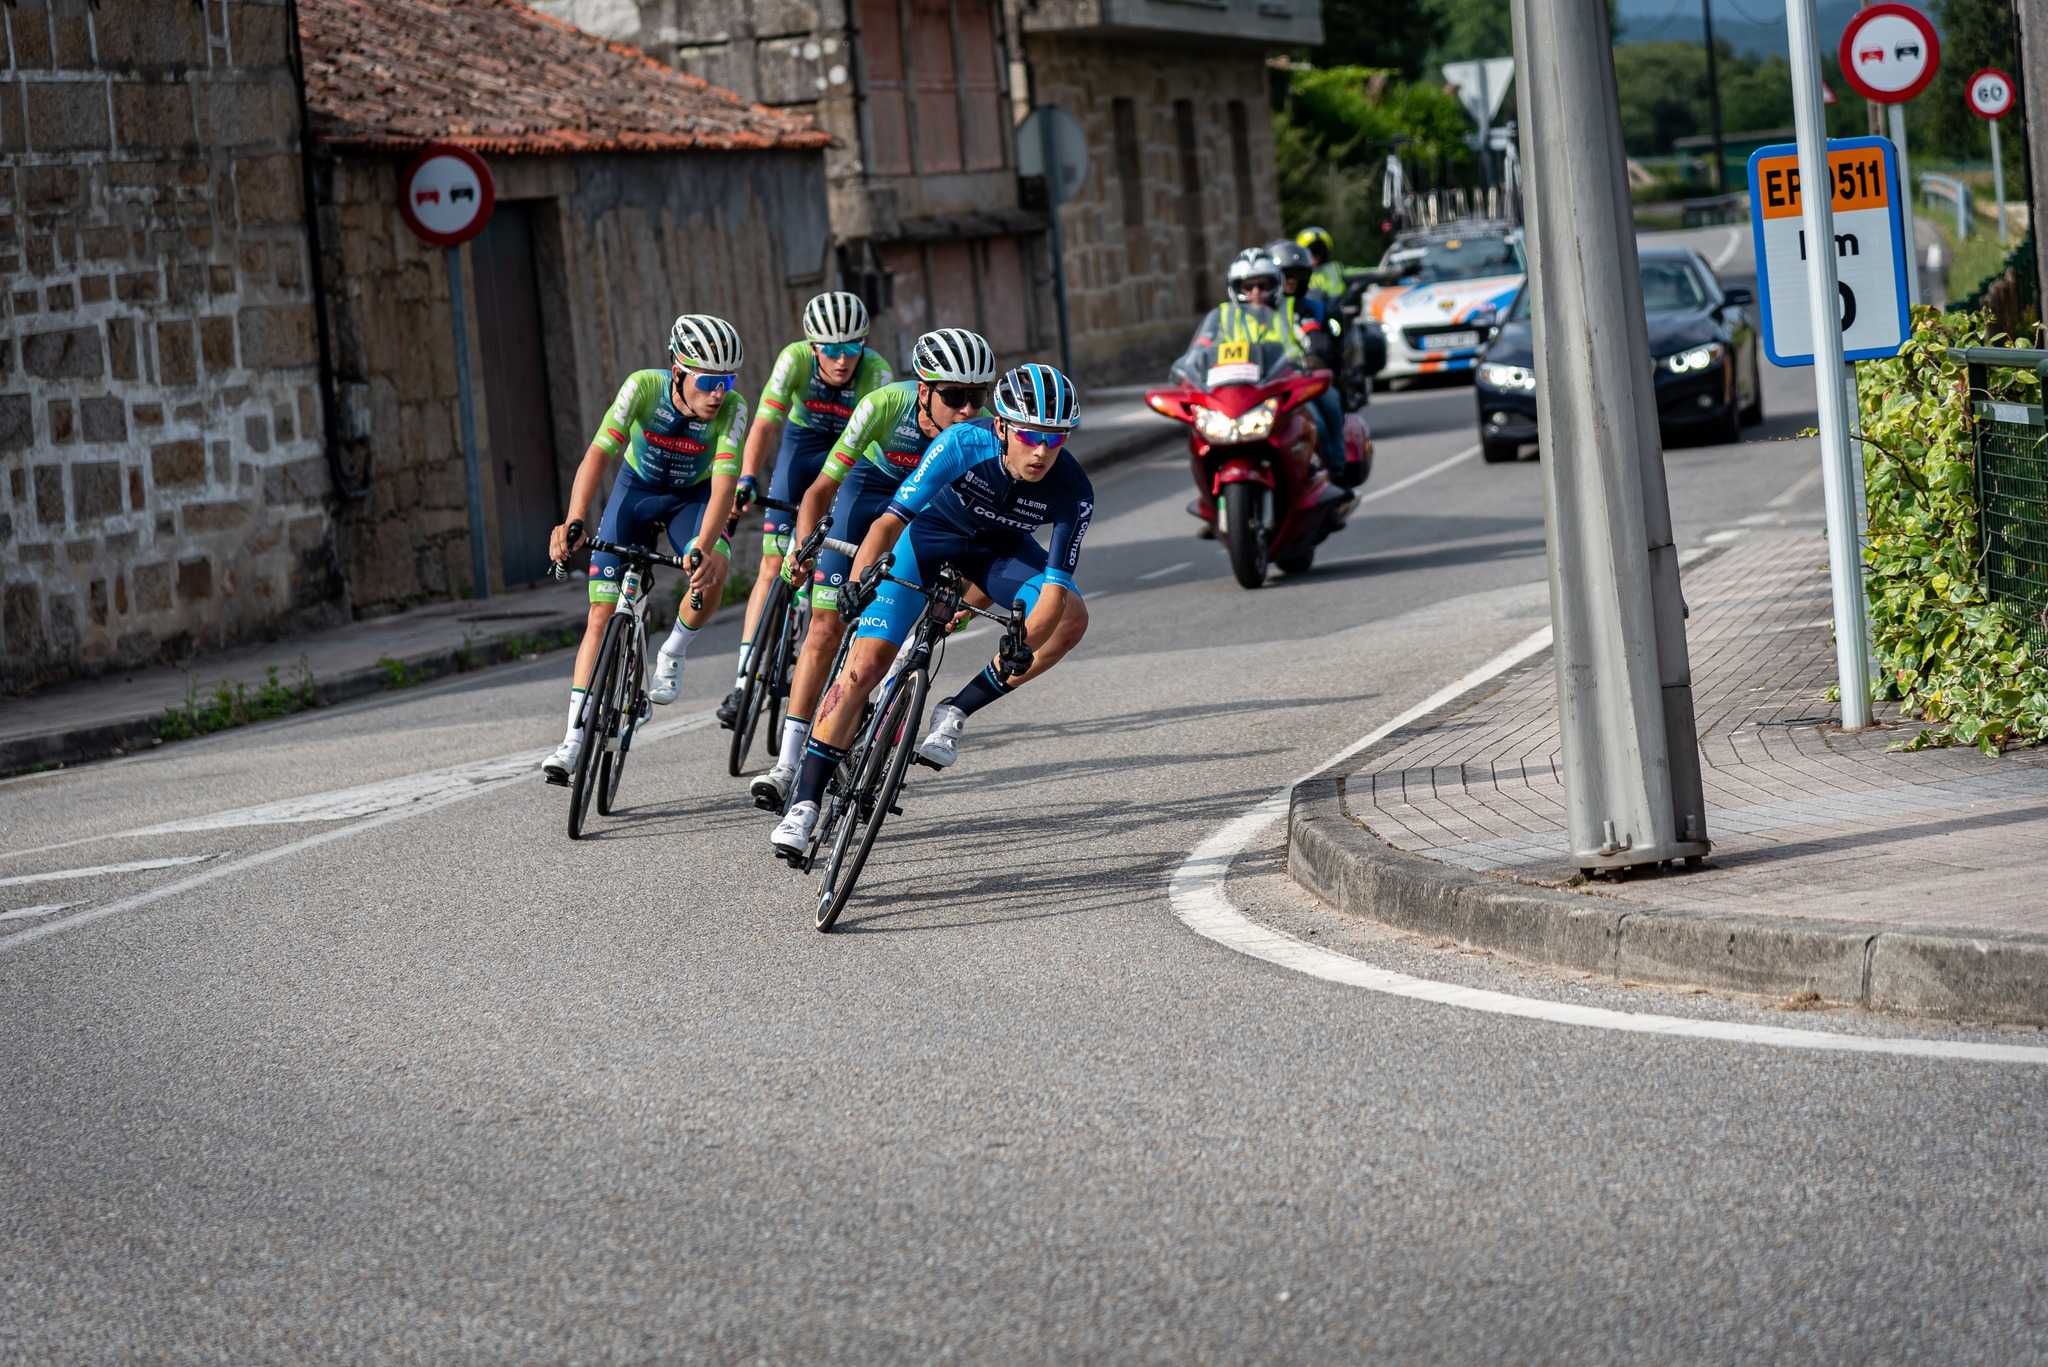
{"x": 679, "y": 445}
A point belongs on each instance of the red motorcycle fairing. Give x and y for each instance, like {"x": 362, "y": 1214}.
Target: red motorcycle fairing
{"x": 1240, "y": 470}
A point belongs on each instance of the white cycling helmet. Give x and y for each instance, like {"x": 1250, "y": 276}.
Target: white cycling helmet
{"x": 836, "y": 317}
{"x": 703, "y": 342}
{"x": 1252, "y": 264}
{"x": 953, "y": 356}
{"x": 1038, "y": 396}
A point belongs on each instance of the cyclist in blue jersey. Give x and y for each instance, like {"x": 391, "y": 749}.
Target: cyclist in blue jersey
{"x": 974, "y": 502}
{"x": 810, "y": 396}
{"x": 679, "y": 432}
{"x": 887, "y": 438}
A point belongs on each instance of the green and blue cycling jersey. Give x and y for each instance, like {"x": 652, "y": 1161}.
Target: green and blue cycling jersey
{"x": 882, "y": 444}
{"x": 670, "y": 458}
{"x": 814, "y": 414}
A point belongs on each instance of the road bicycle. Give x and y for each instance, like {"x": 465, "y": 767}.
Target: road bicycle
{"x": 616, "y": 702}
{"x": 778, "y": 640}
{"x": 866, "y": 786}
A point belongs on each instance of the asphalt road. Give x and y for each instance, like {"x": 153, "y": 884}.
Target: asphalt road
{"x": 389, "y": 1070}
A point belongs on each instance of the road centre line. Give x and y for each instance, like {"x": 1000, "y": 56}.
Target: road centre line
{"x": 136, "y": 866}
{"x": 1728, "y": 249}
{"x": 1420, "y": 475}
{"x": 1170, "y": 569}
{"x": 45, "y": 909}
{"x": 506, "y": 769}
{"x": 1200, "y": 899}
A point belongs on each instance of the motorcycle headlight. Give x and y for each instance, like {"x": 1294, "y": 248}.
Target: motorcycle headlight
{"x": 1497, "y": 376}
{"x": 1256, "y": 424}
{"x": 1215, "y": 426}
{"x": 1699, "y": 358}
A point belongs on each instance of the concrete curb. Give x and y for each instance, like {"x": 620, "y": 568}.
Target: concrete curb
{"x": 105, "y": 739}
{"x": 1984, "y": 977}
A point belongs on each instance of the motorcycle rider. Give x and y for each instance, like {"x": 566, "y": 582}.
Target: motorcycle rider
{"x": 1328, "y": 273}
{"x": 1313, "y": 314}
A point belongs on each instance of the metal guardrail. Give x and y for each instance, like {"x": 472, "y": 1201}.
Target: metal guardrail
{"x": 1731, "y": 208}
{"x": 2010, "y": 437}
{"x": 1955, "y": 193}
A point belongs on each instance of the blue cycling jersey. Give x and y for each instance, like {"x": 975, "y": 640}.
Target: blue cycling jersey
{"x": 961, "y": 487}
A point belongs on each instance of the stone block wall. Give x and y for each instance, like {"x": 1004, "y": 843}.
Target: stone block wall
{"x": 162, "y": 480}
{"x": 1135, "y": 284}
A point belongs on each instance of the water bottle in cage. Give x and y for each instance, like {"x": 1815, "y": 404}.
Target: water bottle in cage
{"x": 629, "y": 587}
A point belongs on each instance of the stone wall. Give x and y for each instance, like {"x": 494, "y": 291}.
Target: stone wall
{"x": 162, "y": 482}
{"x": 1145, "y": 260}
{"x": 622, "y": 245}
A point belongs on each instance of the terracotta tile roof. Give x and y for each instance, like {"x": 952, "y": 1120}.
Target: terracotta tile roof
{"x": 498, "y": 76}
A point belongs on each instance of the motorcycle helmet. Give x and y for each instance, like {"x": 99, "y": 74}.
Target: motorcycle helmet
{"x": 1321, "y": 246}
{"x": 1251, "y": 266}
{"x": 1295, "y": 266}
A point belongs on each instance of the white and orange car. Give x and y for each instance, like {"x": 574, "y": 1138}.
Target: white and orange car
{"x": 1451, "y": 289}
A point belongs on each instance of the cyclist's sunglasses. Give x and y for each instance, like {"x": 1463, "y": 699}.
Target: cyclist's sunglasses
{"x": 711, "y": 384}
{"x": 1032, "y": 437}
{"x": 840, "y": 351}
{"x": 962, "y": 396}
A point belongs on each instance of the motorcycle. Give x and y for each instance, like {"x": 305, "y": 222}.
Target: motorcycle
{"x": 1252, "y": 448}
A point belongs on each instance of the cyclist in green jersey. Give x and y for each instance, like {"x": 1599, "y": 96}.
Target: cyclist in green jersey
{"x": 809, "y": 398}
{"x": 679, "y": 432}
{"x": 881, "y": 445}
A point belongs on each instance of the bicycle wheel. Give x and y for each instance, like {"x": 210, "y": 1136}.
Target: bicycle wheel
{"x": 598, "y": 720}
{"x": 754, "y": 689}
{"x": 611, "y": 765}
{"x": 890, "y": 745}
{"x": 785, "y": 670}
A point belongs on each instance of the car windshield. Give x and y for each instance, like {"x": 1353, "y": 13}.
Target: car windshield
{"x": 1456, "y": 258}
{"x": 1668, "y": 287}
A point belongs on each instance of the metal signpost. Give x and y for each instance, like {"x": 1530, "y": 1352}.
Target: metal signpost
{"x": 1889, "y": 53}
{"x": 1051, "y": 144}
{"x": 446, "y": 197}
{"x": 1990, "y": 97}
{"x": 1633, "y": 790}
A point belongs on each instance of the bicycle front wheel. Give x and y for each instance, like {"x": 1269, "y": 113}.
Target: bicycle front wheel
{"x": 611, "y": 765}
{"x": 599, "y": 717}
{"x": 755, "y": 688}
{"x": 892, "y": 740}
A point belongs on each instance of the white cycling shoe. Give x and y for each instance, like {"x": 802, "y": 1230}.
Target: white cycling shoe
{"x": 770, "y": 791}
{"x": 942, "y": 746}
{"x": 561, "y": 765}
{"x": 793, "y": 837}
{"x": 668, "y": 678}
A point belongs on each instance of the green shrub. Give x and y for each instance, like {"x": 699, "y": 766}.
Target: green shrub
{"x": 232, "y": 704}
{"x": 1955, "y": 659}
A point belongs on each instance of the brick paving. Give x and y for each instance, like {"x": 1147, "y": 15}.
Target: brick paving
{"x": 1806, "y": 820}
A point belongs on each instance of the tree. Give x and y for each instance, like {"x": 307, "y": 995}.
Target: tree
{"x": 1392, "y": 35}
{"x": 1974, "y": 34}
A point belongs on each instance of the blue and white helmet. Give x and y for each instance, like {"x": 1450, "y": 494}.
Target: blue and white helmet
{"x": 1038, "y": 396}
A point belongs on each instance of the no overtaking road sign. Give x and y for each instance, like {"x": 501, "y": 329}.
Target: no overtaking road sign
{"x": 1870, "y": 254}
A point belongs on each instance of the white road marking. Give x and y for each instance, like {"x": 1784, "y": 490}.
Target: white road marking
{"x": 1170, "y": 569}
{"x": 24, "y": 913}
{"x": 137, "y": 866}
{"x": 1728, "y": 249}
{"x": 1796, "y": 489}
{"x": 1200, "y": 901}
{"x": 1420, "y": 475}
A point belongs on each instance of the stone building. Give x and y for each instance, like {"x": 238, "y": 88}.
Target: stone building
{"x": 627, "y": 192}
{"x": 930, "y": 220}
{"x": 188, "y": 458}
{"x": 162, "y": 478}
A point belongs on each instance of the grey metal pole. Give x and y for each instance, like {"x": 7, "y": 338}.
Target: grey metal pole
{"x": 1714, "y": 97}
{"x": 1998, "y": 179}
{"x": 1055, "y": 194}
{"x": 1830, "y": 374}
{"x": 1624, "y": 680}
{"x": 479, "y": 556}
{"x": 1896, "y": 115}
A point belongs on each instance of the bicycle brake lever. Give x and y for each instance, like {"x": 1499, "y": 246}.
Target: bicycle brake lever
{"x": 693, "y": 560}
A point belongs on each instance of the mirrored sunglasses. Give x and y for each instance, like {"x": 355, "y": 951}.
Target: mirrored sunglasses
{"x": 1032, "y": 437}
{"x": 840, "y": 351}
{"x": 711, "y": 384}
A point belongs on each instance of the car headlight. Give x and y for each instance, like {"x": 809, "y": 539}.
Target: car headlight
{"x": 1256, "y": 424}
{"x": 1496, "y": 376}
{"x": 1215, "y": 426}
{"x": 1699, "y": 358}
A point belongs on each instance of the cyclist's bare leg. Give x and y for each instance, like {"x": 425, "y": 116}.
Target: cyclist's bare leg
{"x": 593, "y": 636}
{"x": 757, "y": 598}
{"x": 814, "y": 663}
{"x": 839, "y": 715}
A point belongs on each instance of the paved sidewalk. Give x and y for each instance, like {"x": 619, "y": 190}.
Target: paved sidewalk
{"x": 117, "y": 713}
{"x": 1824, "y": 842}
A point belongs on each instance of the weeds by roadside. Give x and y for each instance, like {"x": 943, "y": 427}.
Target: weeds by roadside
{"x": 233, "y": 704}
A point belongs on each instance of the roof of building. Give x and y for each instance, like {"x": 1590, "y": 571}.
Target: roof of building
{"x": 498, "y": 76}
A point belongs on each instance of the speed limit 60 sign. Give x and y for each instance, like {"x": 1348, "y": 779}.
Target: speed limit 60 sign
{"x": 1869, "y": 246}
{"x": 1990, "y": 93}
